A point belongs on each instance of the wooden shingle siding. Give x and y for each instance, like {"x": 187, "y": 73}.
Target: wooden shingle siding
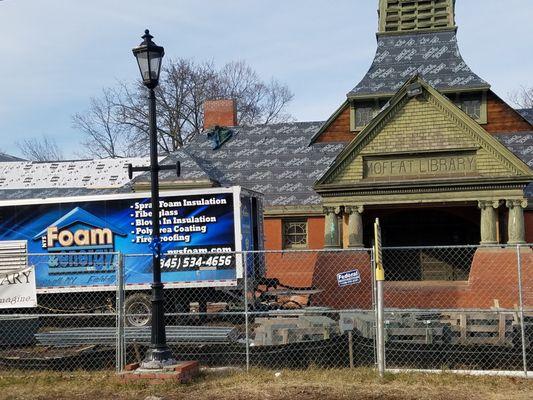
{"x": 339, "y": 130}
{"x": 503, "y": 118}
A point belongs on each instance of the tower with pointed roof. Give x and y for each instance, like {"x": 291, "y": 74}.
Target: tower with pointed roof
{"x": 419, "y": 37}
{"x": 422, "y": 128}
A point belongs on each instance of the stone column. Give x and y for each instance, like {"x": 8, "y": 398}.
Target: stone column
{"x": 331, "y": 227}
{"x": 488, "y": 221}
{"x": 515, "y": 223}
{"x": 355, "y": 225}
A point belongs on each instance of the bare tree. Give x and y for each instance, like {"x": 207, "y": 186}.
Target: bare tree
{"x": 104, "y": 132}
{"x": 116, "y": 124}
{"x": 257, "y": 102}
{"x": 40, "y": 149}
{"x": 522, "y": 98}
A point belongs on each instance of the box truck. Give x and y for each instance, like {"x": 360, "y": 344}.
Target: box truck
{"x": 73, "y": 245}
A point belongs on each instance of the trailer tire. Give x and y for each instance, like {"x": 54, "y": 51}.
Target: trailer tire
{"x": 138, "y": 310}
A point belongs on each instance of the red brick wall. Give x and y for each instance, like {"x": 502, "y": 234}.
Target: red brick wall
{"x": 503, "y": 118}
{"x": 220, "y": 112}
{"x": 339, "y": 130}
{"x": 315, "y": 232}
{"x": 295, "y": 269}
{"x": 273, "y": 237}
{"x": 500, "y": 118}
{"x": 493, "y": 279}
{"x": 328, "y": 265}
{"x": 528, "y": 222}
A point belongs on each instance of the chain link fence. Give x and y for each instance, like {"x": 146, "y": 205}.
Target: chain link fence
{"x": 457, "y": 308}
{"x": 452, "y": 308}
{"x": 287, "y": 311}
{"x": 74, "y": 326}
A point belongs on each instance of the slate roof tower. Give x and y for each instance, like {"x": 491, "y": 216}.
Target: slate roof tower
{"x": 417, "y": 37}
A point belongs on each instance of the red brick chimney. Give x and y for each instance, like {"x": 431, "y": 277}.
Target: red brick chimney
{"x": 220, "y": 113}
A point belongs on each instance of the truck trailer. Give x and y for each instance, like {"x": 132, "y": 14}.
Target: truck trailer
{"x": 75, "y": 245}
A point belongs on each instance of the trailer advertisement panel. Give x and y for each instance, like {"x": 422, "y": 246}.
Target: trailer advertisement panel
{"x": 81, "y": 239}
{"x": 17, "y": 289}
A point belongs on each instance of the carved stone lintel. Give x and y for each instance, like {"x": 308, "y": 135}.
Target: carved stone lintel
{"x": 515, "y": 225}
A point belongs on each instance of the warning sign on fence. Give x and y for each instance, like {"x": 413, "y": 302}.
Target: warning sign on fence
{"x": 349, "y": 278}
{"x": 17, "y": 289}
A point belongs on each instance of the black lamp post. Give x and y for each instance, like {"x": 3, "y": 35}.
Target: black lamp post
{"x": 149, "y": 57}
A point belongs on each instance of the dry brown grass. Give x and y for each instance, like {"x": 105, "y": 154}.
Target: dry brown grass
{"x": 263, "y": 384}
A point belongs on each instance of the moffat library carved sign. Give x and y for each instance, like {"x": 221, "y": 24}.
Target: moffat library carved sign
{"x": 434, "y": 164}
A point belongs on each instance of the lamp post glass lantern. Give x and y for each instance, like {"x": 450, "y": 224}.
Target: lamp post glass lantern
{"x": 149, "y": 57}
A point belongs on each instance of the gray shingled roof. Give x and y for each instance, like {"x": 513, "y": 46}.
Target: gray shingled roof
{"x": 527, "y": 113}
{"x": 521, "y": 144}
{"x": 8, "y": 158}
{"x": 275, "y": 160}
{"x": 434, "y": 56}
{"x": 191, "y": 170}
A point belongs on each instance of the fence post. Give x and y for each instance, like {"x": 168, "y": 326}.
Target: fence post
{"x": 380, "y": 342}
{"x": 246, "y": 321}
{"x": 120, "y": 343}
{"x": 521, "y": 309}
{"x": 374, "y": 301}
{"x": 380, "y": 277}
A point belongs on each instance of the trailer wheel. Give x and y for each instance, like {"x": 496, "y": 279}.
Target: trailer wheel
{"x": 138, "y": 310}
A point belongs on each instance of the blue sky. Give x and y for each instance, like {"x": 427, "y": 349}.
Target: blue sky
{"x": 56, "y": 54}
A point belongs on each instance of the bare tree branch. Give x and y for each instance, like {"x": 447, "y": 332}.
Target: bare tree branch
{"x": 116, "y": 124}
{"x": 104, "y": 133}
{"x": 522, "y": 98}
{"x": 40, "y": 149}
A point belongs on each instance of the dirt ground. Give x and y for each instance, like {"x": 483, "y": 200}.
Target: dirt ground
{"x": 313, "y": 384}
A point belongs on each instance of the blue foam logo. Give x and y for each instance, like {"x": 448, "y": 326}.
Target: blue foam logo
{"x": 79, "y": 231}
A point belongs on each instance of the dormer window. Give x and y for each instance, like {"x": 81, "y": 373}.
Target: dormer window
{"x": 472, "y": 107}
{"x": 363, "y": 112}
{"x": 363, "y": 116}
{"x": 474, "y": 104}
